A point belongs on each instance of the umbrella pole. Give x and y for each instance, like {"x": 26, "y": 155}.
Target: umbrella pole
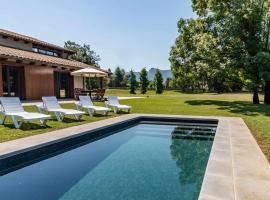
{"x": 101, "y": 83}
{"x": 83, "y": 83}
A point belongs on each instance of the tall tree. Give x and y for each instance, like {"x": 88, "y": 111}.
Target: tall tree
{"x": 133, "y": 82}
{"x": 118, "y": 77}
{"x": 83, "y": 53}
{"x": 144, "y": 81}
{"x": 220, "y": 46}
{"x": 168, "y": 83}
{"x": 125, "y": 79}
{"x": 198, "y": 60}
{"x": 158, "y": 82}
{"x": 262, "y": 61}
{"x": 246, "y": 21}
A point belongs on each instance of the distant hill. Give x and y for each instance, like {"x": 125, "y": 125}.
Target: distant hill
{"x": 151, "y": 74}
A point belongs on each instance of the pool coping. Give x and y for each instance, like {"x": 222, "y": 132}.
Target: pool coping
{"x": 236, "y": 169}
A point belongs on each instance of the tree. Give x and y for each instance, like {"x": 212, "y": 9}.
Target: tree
{"x": 133, "y": 82}
{"x": 125, "y": 79}
{"x": 144, "y": 81}
{"x": 262, "y": 61}
{"x": 118, "y": 76}
{"x": 246, "y": 21}
{"x": 86, "y": 55}
{"x": 168, "y": 83}
{"x": 83, "y": 53}
{"x": 158, "y": 82}
{"x": 198, "y": 60}
{"x": 220, "y": 46}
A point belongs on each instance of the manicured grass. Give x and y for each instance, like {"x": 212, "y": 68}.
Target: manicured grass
{"x": 257, "y": 117}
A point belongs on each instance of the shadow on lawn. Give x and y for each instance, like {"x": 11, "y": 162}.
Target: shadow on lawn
{"x": 190, "y": 92}
{"x": 27, "y": 126}
{"x": 238, "y": 107}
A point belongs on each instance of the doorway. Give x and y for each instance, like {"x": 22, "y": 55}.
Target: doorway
{"x": 13, "y": 82}
{"x": 63, "y": 85}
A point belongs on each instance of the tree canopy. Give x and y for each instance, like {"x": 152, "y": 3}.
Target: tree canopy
{"x": 83, "y": 53}
{"x": 219, "y": 49}
{"x": 158, "y": 82}
{"x": 144, "y": 81}
{"x": 133, "y": 82}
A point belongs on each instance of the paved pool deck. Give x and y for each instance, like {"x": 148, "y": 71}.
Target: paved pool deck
{"x": 237, "y": 168}
{"x": 63, "y": 101}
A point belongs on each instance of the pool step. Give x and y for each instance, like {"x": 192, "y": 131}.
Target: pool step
{"x": 204, "y": 133}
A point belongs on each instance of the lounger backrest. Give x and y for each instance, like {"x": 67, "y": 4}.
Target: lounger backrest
{"x": 11, "y": 104}
{"x": 85, "y": 101}
{"x": 50, "y": 103}
{"x": 113, "y": 100}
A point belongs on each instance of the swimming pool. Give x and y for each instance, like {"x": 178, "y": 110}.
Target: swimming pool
{"x": 143, "y": 161}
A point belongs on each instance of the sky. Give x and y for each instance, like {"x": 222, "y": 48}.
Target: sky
{"x": 131, "y": 34}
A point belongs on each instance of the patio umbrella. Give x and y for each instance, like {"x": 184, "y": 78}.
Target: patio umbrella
{"x": 89, "y": 72}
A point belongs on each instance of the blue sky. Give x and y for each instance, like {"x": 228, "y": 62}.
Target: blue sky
{"x": 129, "y": 33}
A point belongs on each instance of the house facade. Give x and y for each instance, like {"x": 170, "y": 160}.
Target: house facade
{"x": 31, "y": 68}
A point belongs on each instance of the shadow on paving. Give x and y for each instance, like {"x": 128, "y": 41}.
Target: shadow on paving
{"x": 238, "y": 107}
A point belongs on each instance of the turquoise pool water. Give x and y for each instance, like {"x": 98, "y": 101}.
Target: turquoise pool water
{"x": 144, "y": 162}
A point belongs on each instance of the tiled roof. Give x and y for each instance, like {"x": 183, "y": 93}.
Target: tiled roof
{"x": 37, "y": 57}
{"x": 32, "y": 40}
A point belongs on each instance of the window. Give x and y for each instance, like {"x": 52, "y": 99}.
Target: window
{"x": 41, "y": 51}
{"x": 35, "y": 49}
{"x": 50, "y": 53}
{"x": 47, "y": 52}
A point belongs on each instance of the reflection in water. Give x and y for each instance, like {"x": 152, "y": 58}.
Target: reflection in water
{"x": 191, "y": 156}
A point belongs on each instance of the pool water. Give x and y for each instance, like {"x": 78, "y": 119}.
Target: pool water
{"x": 145, "y": 161}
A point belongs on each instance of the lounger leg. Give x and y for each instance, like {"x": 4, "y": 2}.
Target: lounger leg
{"x": 90, "y": 113}
{"x": 43, "y": 122}
{"x": 77, "y": 117}
{"x": 15, "y": 122}
{"x": 115, "y": 109}
{"x": 78, "y": 107}
{"x": 58, "y": 116}
{"x": 2, "y": 121}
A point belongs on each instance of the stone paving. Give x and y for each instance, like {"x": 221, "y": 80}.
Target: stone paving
{"x": 237, "y": 168}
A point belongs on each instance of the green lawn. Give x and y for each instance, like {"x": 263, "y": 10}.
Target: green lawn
{"x": 257, "y": 117}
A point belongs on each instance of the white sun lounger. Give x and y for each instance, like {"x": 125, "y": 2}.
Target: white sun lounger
{"x": 86, "y": 103}
{"x": 112, "y": 101}
{"x": 51, "y": 105}
{"x": 12, "y": 107}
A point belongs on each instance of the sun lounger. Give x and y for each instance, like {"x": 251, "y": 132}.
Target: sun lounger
{"x": 112, "y": 101}
{"x": 12, "y": 107}
{"x": 86, "y": 103}
{"x": 51, "y": 105}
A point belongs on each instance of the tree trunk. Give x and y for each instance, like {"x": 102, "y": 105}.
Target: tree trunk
{"x": 267, "y": 93}
{"x": 256, "y": 99}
